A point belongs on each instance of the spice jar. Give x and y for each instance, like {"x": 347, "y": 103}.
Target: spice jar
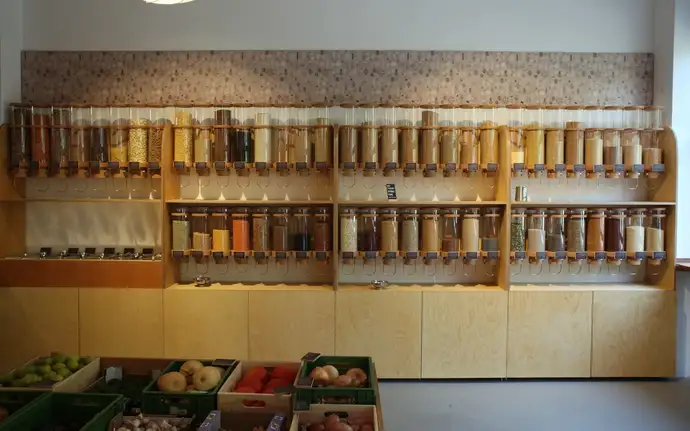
{"x": 615, "y": 231}
{"x": 260, "y": 230}
{"x": 348, "y": 230}
{"x": 517, "y": 229}
{"x": 369, "y": 148}
{"x": 323, "y": 136}
{"x": 491, "y": 226}
{"x": 119, "y": 135}
{"x": 184, "y": 137}
{"x": 536, "y": 231}
{"x": 410, "y": 230}
{"x": 576, "y": 230}
{"x": 389, "y": 233}
{"x": 574, "y": 137}
{"x": 322, "y": 229}
{"x": 517, "y": 144}
{"x": 367, "y": 230}
{"x": 201, "y": 236}
{"x": 81, "y": 137}
{"x": 470, "y": 231}
{"x": 220, "y": 230}
{"x": 100, "y": 137}
{"x": 429, "y": 143}
{"x": 300, "y": 236}
{"x": 450, "y": 155}
{"x": 159, "y": 121}
{"x": 280, "y": 226}
{"x": 181, "y": 231}
{"x": 534, "y": 136}
{"x": 409, "y": 137}
{"x": 222, "y": 151}
{"x": 451, "y": 230}
{"x": 262, "y": 139}
{"x": 555, "y": 230}
{"x": 390, "y": 148}
{"x": 61, "y": 137}
{"x": 139, "y": 123}
{"x": 655, "y": 230}
{"x": 488, "y": 137}
{"x": 20, "y": 154}
{"x": 240, "y": 230}
{"x": 203, "y": 138}
{"x": 635, "y": 231}
{"x": 468, "y": 140}
{"x": 555, "y": 137}
{"x": 299, "y": 148}
{"x": 242, "y": 148}
{"x": 596, "y": 230}
{"x": 348, "y": 139}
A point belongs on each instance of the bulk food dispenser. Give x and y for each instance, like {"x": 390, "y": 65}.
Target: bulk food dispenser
{"x": 654, "y": 236}
{"x": 516, "y": 140}
{"x": 61, "y": 140}
{"x": 468, "y": 139}
{"x": 470, "y": 236}
{"x": 652, "y": 155}
{"x": 490, "y": 229}
{"x": 323, "y": 138}
{"x": 222, "y": 153}
{"x": 409, "y": 138}
{"x": 431, "y": 235}
{"x": 204, "y": 122}
{"x": 99, "y": 154}
{"x": 140, "y": 126}
{"x": 448, "y": 141}
{"x": 281, "y": 141}
{"x": 348, "y": 141}
{"x": 242, "y": 148}
{"x": 183, "y": 140}
{"x": 613, "y": 152}
{"x": 633, "y": 123}
{"x": 390, "y": 145}
{"x": 429, "y": 143}
{"x": 369, "y": 141}
{"x": 78, "y": 162}
{"x": 389, "y": 237}
{"x": 299, "y": 144}
{"x": 450, "y": 242}
{"x": 488, "y": 139}
{"x": 574, "y": 141}
{"x": 20, "y": 138}
{"x": 594, "y": 142}
{"x": 262, "y": 141}
{"x": 555, "y": 141}
{"x": 534, "y": 140}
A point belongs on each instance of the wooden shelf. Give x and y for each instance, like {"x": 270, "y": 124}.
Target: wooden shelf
{"x": 424, "y": 288}
{"x": 135, "y": 274}
{"x": 585, "y": 287}
{"x": 246, "y": 202}
{"x": 592, "y": 204}
{"x": 254, "y": 287}
{"x": 92, "y": 200}
{"x": 422, "y": 203}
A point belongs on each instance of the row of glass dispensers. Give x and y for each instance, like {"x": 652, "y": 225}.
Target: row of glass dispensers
{"x": 68, "y": 140}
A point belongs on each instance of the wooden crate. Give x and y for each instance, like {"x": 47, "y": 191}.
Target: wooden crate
{"x": 229, "y": 401}
{"x": 76, "y": 382}
{"x": 318, "y": 412}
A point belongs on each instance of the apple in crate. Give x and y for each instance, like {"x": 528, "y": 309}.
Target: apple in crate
{"x": 172, "y": 382}
{"x": 207, "y": 378}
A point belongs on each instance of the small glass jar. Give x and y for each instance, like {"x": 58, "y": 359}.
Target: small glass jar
{"x": 203, "y": 136}
{"x": 410, "y": 230}
{"x": 470, "y": 230}
{"x": 181, "y": 230}
{"x": 390, "y": 146}
{"x": 119, "y": 135}
{"x": 367, "y": 230}
{"x": 389, "y": 230}
{"x": 635, "y": 230}
{"x": 429, "y": 144}
{"x": 555, "y": 137}
{"x": 518, "y": 228}
{"x": 183, "y": 142}
{"x": 61, "y": 136}
{"x": 20, "y": 154}
{"x": 222, "y": 150}
{"x": 654, "y": 235}
{"x": 534, "y": 136}
{"x": 574, "y": 136}
{"x": 536, "y": 231}
{"x": 220, "y": 230}
{"x": 240, "y": 230}
{"x": 409, "y": 119}
{"x": 262, "y": 137}
{"x": 615, "y": 230}
{"x": 301, "y": 229}
{"x": 469, "y": 138}
{"x": 201, "y": 236}
{"x": 81, "y": 137}
{"x": 100, "y": 137}
{"x": 242, "y": 149}
{"x": 576, "y": 230}
{"x": 348, "y": 136}
{"x": 348, "y": 230}
{"x": 491, "y": 226}
{"x": 515, "y": 134}
{"x": 451, "y": 230}
{"x": 596, "y": 230}
{"x": 261, "y": 237}
{"x": 450, "y": 154}
{"x": 369, "y": 133}
{"x": 488, "y": 136}
{"x": 322, "y": 229}
{"x": 280, "y": 229}
{"x": 555, "y": 230}
{"x": 139, "y": 123}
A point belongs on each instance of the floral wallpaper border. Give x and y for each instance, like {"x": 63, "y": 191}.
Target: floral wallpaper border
{"x": 336, "y": 77}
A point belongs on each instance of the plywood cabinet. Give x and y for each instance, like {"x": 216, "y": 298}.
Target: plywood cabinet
{"x": 37, "y": 321}
{"x": 284, "y": 325}
{"x": 464, "y": 334}
{"x": 386, "y": 325}
{"x": 634, "y": 334}
{"x": 205, "y": 323}
{"x": 549, "y": 333}
{"x": 121, "y": 322}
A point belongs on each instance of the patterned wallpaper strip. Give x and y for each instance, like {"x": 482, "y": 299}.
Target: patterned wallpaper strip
{"x": 337, "y": 77}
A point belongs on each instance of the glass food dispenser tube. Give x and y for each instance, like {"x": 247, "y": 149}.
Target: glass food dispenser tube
{"x": 429, "y": 144}
{"x": 242, "y": 149}
{"x": 654, "y": 235}
{"x": 61, "y": 139}
{"x": 574, "y": 139}
{"x": 262, "y": 141}
{"x": 409, "y": 119}
{"x": 119, "y": 137}
{"x": 518, "y": 228}
{"x": 100, "y": 140}
{"x": 555, "y": 234}
{"x": 488, "y": 137}
{"x": 389, "y": 235}
{"x": 222, "y": 149}
{"x": 515, "y": 136}
{"x": 390, "y": 146}
{"x": 450, "y": 155}
{"x": 594, "y": 141}
{"x": 367, "y": 233}
{"x": 203, "y": 139}
{"x": 450, "y": 242}
{"x": 470, "y": 233}
{"x": 369, "y": 143}
{"x": 534, "y": 137}
{"x": 576, "y": 226}
{"x": 300, "y": 152}
{"x": 410, "y": 234}
{"x": 555, "y": 139}
{"x": 261, "y": 237}
{"x": 323, "y": 137}
{"x": 635, "y": 234}
{"x": 631, "y": 140}
{"x": 322, "y": 231}
{"x": 651, "y": 153}
{"x": 596, "y": 233}
{"x": 613, "y": 153}
{"x": 348, "y": 140}
{"x": 220, "y": 231}
{"x": 280, "y": 233}
{"x": 201, "y": 236}
{"x": 281, "y": 140}
{"x": 20, "y": 155}
{"x": 241, "y": 234}
{"x": 536, "y": 233}
{"x": 40, "y": 140}
{"x": 491, "y": 226}
{"x": 469, "y": 138}
{"x": 348, "y": 234}
{"x": 156, "y": 135}
{"x": 140, "y": 124}
{"x": 81, "y": 140}
{"x": 301, "y": 231}
{"x": 183, "y": 142}
{"x": 181, "y": 231}
{"x": 431, "y": 234}
{"x": 615, "y": 234}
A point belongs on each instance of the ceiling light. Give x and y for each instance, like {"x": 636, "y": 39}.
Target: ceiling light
{"x": 167, "y": 1}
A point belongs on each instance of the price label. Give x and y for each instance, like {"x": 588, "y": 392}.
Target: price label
{"x": 90, "y": 250}
{"x": 154, "y": 166}
{"x": 390, "y": 255}
{"x": 319, "y": 165}
{"x": 578, "y": 168}
{"x": 638, "y": 168}
{"x": 520, "y": 255}
{"x": 452, "y": 255}
{"x": 391, "y": 166}
{"x": 240, "y": 165}
{"x": 197, "y": 254}
{"x": 178, "y": 165}
{"x": 472, "y": 167}
{"x": 411, "y": 255}
{"x": 301, "y": 254}
{"x": 348, "y": 255}
{"x": 561, "y": 255}
{"x": 281, "y": 166}
{"x": 134, "y": 166}
{"x": 618, "y": 168}
{"x": 94, "y": 166}
{"x": 262, "y": 166}
{"x": 640, "y": 255}
{"x": 658, "y": 168}
{"x": 410, "y": 166}
{"x": 370, "y": 255}
{"x": 560, "y": 168}
{"x": 370, "y": 166}
{"x": 492, "y": 167}
{"x": 659, "y": 255}
{"x": 113, "y": 165}
{"x": 451, "y": 167}
{"x": 218, "y": 255}
{"x": 539, "y": 167}
{"x": 280, "y": 255}
{"x": 219, "y": 166}
{"x": 600, "y": 255}
{"x": 581, "y": 255}
{"x": 113, "y": 373}
{"x": 492, "y": 254}
{"x": 472, "y": 255}
{"x": 321, "y": 255}
{"x": 599, "y": 169}
{"x": 391, "y": 193}
{"x": 431, "y": 255}
{"x": 301, "y": 166}
{"x": 620, "y": 255}
{"x": 541, "y": 255}
{"x": 518, "y": 166}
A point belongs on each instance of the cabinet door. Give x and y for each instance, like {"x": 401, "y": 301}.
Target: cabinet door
{"x": 634, "y": 334}
{"x": 464, "y": 334}
{"x": 121, "y": 322}
{"x": 37, "y": 321}
{"x": 205, "y": 324}
{"x": 284, "y": 325}
{"x": 549, "y": 334}
{"x": 386, "y": 325}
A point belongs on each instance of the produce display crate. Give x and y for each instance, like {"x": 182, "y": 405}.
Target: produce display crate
{"x": 229, "y": 401}
{"x": 318, "y": 412}
{"x": 307, "y": 395}
{"x": 182, "y": 424}
{"x": 14, "y": 401}
{"x": 76, "y": 382}
{"x": 185, "y": 404}
{"x": 246, "y": 421}
{"x": 135, "y": 374}
{"x": 70, "y": 411}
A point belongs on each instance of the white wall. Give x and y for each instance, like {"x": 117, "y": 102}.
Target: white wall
{"x": 10, "y": 53}
{"x": 524, "y": 25}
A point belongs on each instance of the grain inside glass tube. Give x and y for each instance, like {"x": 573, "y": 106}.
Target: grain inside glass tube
{"x": 241, "y": 233}
{"x": 369, "y": 144}
{"x": 203, "y": 136}
{"x": 320, "y": 118}
{"x": 431, "y": 231}
{"x": 594, "y": 139}
{"x": 159, "y": 120}
{"x": 536, "y": 231}
{"x": 613, "y": 152}
{"x": 633, "y": 122}
{"x": 183, "y": 141}
{"x": 429, "y": 144}
{"x": 534, "y": 136}
{"x": 518, "y": 228}
{"x": 468, "y": 139}
{"x": 576, "y": 242}
{"x": 181, "y": 230}
{"x": 220, "y": 230}
{"x": 367, "y": 231}
{"x": 390, "y": 146}
{"x": 222, "y": 150}
{"x": 322, "y": 229}
{"x": 654, "y": 235}
{"x": 242, "y": 149}
{"x": 450, "y": 155}
{"x": 409, "y": 237}
{"x": 301, "y": 229}
{"x": 488, "y": 135}
{"x": 555, "y": 230}
{"x": 81, "y": 137}
{"x": 389, "y": 233}
{"x": 119, "y": 135}
{"x": 139, "y": 124}
{"x": 596, "y": 230}
{"x": 555, "y": 138}
{"x": 201, "y": 236}
{"x": 574, "y": 137}
{"x": 635, "y": 231}
{"x": 491, "y": 226}
{"x": 450, "y": 242}
{"x": 60, "y": 142}
{"x": 470, "y": 230}
{"x": 300, "y": 148}
{"x": 100, "y": 137}
{"x": 280, "y": 230}
{"x": 615, "y": 231}
{"x": 651, "y": 153}
{"x": 408, "y": 123}
{"x": 348, "y": 139}
{"x": 515, "y": 134}
{"x": 261, "y": 234}
{"x": 20, "y": 154}
{"x": 262, "y": 137}
{"x": 348, "y": 232}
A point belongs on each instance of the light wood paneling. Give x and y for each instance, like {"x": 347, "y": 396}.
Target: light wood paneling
{"x": 205, "y": 324}
{"x": 37, "y": 321}
{"x": 283, "y": 326}
{"x": 549, "y": 334}
{"x": 386, "y": 325}
{"x": 121, "y": 322}
{"x": 464, "y": 334}
{"x": 634, "y": 334}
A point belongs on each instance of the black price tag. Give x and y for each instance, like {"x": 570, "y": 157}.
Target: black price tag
{"x": 451, "y": 167}
{"x": 94, "y": 166}
{"x": 390, "y": 255}
{"x": 179, "y": 165}
{"x": 452, "y": 255}
{"x": 218, "y": 255}
{"x": 200, "y": 165}
{"x": 370, "y": 166}
{"x": 541, "y": 255}
{"x": 391, "y": 166}
{"x": 518, "y": 166}
{"x": 578, "y": 168}
{"x": 46, "y": 251}
{"x": 391, "y": 194}
{"x": 281, "y": 255}
{"x": 561, "y": 255}
{"x": 321, "y": 255}
{"x": 219, "y": 166}
{"x": 109, "y": 251}
{"x": 72, "y": 165}
{"x": 311, "y": 357}
{"x": 319, "y": 165}
{"x": 618, "y": 168}
{"x": 239, "y": 165}
{"x": 176, "y": 254}
{"x": 658, "y": 168}
{"x": 410, "y": 166}
{"x": 301, "y": 166}
{"x": 348, "y": 255}
{"x": 197, "y": 254}
{"x": 580, "y": 255}
{"x": 72, "y": 250}
{"x": 370, "y": 255}
{"x": 520, "y": 255}
{"x": 260, "y": 255}
{"x": 559, "y": 168}
{"x": 225, "y": 363}
{"x": 430, "y": 167}
{"x": 600, "y": 255}
{"x": 239, "y": 255}
{"x": 472, "y": 255}
{"x": 114, "y": 165}
{"x": 539, "y": 167}
{"x": 154, "y": 166}
{"x": 90, "y": 250}
{"x": 129, "y": 250}
{"x": 659, "y": 255}
{"x": 431, "y": 255}
{"x": 472, "y": 167}
{"x": 599, "y": 169}
{"x": 640, "y": 255}
{"x": 638, "y": 168}
{"x": 492, "y": 254}
{"x": 620, "y": 255}
{"x": 348, "y": 165}
{"x": 492, "y": 167}
{"x": 301, "y": 254}
{"x": 134, "y": 166}
{"x": 411, "y": 255}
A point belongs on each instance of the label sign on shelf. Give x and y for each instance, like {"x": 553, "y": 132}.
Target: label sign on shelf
{"x": 391, "y": 194}
{"x": 658, "y": 168}
{"x": 578, "y": 168}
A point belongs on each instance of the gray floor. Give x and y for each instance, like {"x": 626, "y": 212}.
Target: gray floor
{"x": 536, "y": 406}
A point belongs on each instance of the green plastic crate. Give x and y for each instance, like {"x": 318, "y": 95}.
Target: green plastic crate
{"x": 131, "y": 387}
{"x": 16, "y": 400}
{"x": 365, "y": 395}
{"x": 73, "y": 411}
{"x": 185, "y": 404}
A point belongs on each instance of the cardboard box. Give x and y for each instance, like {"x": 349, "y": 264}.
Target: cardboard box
{"x": 76, "y": 382}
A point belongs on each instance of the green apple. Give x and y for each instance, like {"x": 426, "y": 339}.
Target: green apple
{"x": 72, "y": 364}
{"x": 18, "y": 374}
{"x": 86, "y": 360}
{"x": 59, "y": 366}
{"x": 64, "y": 372}
{"x": 46, "y": 361}
{"x": 44, "y": 369}
{"x": 6, "y": 379}
{"x": 59, "y": 357}
{"x": 56, "y": 377}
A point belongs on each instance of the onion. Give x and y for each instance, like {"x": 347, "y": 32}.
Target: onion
{"x": 357, "y": 374}
{"x": 332, "y": 372}
{"x": 330, "y": 421}
{"x": 319, "y": 375}
{"x": 342, "y": 381}
{"x": 367, "y": 428}
{"x": 340, "y": 426}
